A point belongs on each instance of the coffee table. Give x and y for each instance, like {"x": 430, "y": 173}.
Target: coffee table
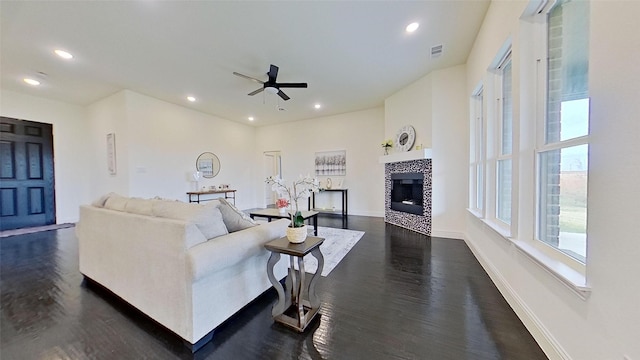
{"x": 297, "y": 302}
{"x": 275, "y": 214}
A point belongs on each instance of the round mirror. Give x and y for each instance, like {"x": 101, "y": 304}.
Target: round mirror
{"x": 208, "y": 164}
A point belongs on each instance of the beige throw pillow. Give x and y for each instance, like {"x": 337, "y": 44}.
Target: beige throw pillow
{"x": 140, "y": 206}
{"x": 234, "y": 219}
{"x": 116, "y": 202}
{"x": 207, "y": 218}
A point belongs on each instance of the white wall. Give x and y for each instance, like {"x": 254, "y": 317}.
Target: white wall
{"x": 359, "y": 133}
{"x": 607, "y": 324}
{"x": 158, "y": 144}
{"x": 410, "y": 106}
{"x": 449, "y": 133}
{"x": 70, "y": 145}
{"x": 106, "y": 116}
{"x": 436, "y": 106}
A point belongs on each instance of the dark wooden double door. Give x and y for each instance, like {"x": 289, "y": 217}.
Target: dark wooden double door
{"x": 27, "y": 195}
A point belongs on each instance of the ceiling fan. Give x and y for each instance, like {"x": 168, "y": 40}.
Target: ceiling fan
{"x": 271, "y": 86}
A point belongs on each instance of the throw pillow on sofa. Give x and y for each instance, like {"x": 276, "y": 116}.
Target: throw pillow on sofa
{"x": 207, "y": 218}
{"x": 234, "y": 219}
{"x": 116, "y": 202}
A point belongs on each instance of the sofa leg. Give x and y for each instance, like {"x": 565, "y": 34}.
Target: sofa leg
{"x": 200, "y": 343}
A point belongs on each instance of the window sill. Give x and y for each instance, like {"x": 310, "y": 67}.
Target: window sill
{"x": 572, "y": 278}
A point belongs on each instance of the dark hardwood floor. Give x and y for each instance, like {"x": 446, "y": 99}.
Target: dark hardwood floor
{"x": 396, "y": 295}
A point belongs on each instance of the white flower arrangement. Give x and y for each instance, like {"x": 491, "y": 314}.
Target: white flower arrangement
{"x": 300, "y": 189}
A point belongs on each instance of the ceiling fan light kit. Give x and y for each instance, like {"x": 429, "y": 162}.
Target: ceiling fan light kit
{"x": 271, "y": 86}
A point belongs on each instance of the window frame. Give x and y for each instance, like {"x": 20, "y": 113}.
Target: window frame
{"x": 542, "y": 146}
{"x": 501, "y": 156}
{"x": 477, "y": 153}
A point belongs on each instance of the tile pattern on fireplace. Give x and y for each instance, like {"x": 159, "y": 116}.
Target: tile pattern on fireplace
{"x": 421, "y": 224}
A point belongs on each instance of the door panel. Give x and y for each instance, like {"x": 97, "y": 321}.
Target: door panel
{"x": 27, "y": 188}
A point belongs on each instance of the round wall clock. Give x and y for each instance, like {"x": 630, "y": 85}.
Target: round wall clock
{"x": 406, "y": 137}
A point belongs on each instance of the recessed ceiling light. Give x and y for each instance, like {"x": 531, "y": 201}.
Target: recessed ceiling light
{"x": 250, "y": 118}
{"x": 412, "y": 27}
{"x": 63, "y": 54}
{"x": 191, "y": 98}
{"x": 32, "y": 82}
{"x": 317, "y": 106}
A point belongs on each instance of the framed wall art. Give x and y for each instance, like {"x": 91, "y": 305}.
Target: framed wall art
{"x": 111, "y": 153}
{"x": 331, "y": 163}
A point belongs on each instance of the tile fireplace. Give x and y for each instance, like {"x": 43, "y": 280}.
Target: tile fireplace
{"x": 408, "y": 190}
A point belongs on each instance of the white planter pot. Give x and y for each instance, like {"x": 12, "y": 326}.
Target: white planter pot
{"x": 282, "y": 210}
{"x": 297, "y": 235}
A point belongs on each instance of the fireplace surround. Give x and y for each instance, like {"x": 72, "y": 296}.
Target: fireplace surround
{"x": 405, "y": 181}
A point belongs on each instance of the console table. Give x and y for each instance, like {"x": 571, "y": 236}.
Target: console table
{"x": 345, "y": 201}
{"x": 297, "y": 305}
{"x": 194, "y": 196}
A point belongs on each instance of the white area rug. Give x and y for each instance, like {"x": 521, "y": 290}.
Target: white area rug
{"x": 337, "y": 243}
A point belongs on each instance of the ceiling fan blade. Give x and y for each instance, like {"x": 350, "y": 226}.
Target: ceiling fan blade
{"x": 255, "y": 92}
{"x": 273, "y": 73}
{"x": 248, "y": 77}
{"x": 292, "y": 85}
{"x": 283, "y": 95}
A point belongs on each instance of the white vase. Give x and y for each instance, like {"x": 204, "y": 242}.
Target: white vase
{"x": 297, "y": 235}
{"x": 282, "y": 210}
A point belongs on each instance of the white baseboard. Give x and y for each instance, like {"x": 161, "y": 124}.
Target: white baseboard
{"x": 448, "y": 234}
{"x": 541, "y": 334}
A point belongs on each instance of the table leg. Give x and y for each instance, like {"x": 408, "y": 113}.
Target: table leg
{"x": 280, "y": 306}
{"x": 313, "y": 298}
{"x": 314, "y": 219}
{"x": 302, "y": 323}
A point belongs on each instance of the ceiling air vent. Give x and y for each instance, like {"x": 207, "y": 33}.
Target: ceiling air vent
{"x": 436, "y": 51}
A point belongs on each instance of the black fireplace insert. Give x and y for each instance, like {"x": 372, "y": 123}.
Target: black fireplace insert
{"x": 407, "y": 192}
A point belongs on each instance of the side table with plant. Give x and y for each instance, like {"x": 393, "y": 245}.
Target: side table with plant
{"x": 299, "y": 190}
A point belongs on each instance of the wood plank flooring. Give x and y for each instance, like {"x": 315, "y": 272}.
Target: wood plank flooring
{"x": 396, "y": 295}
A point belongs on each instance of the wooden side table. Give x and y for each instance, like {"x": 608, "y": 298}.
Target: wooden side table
{"x": 298, "y": 305}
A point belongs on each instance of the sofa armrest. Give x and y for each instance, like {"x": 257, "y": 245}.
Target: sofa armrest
{"x": 142, "y": 259}
{"x": 229, "y": 250}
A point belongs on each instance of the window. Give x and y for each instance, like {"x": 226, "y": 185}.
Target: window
{"x": 477, "y": 154}
{"x": 505, "y": 143}
{"x": 563, "y": 150}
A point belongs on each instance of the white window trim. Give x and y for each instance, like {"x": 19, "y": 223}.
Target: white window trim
{"x": 477, "y": 156}
{"x": 569, "y": 271}
{"x": 500, "y": 156}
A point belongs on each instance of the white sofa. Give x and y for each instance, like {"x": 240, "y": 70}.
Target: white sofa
{"x": 187, "y": 266}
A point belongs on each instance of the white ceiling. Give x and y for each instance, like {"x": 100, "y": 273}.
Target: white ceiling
{"x": 353, "y": 54}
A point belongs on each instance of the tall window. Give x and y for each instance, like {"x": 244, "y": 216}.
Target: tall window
{"x": 563, "y": 151}
{"x": 477, "y": 154}
{"x": 505, "y": 143}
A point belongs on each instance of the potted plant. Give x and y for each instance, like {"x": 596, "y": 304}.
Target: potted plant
{"x": 299, "y": 189}
{"x": 387, "y": 144}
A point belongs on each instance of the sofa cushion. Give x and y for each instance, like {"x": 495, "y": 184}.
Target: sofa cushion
{"x": 140, "y": 206}
{"x": 234, "y": 219}
{"x": 102, "y": 200}
{"x": 207, "y": 218}
{"x": 116, "y": 202}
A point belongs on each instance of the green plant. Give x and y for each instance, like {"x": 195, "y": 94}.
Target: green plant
{"x": 298, "y": 220}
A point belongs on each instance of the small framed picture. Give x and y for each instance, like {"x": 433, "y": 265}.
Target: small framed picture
{"x": 111, "y": 153}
